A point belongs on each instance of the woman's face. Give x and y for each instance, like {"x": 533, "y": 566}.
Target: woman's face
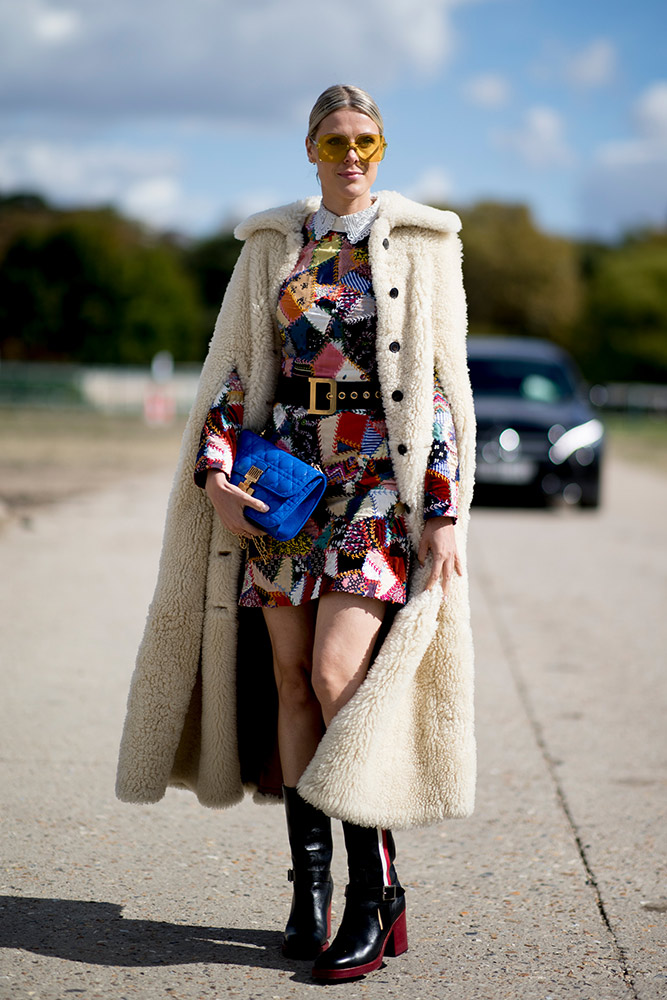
{"x": 345, "y": 186}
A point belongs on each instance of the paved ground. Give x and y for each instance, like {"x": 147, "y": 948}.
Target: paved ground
{"x": 557, "y": 888}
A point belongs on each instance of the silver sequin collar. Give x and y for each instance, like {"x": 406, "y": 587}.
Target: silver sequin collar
{"x": 355, "y": 226}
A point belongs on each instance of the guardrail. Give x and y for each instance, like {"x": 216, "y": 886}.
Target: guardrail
{"x": 133, "y": 390}
{"x": 630, "y": 397}
{"x": 104, "y": 388}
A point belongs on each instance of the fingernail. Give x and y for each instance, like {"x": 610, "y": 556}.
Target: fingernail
{"x": 264, "y": 507}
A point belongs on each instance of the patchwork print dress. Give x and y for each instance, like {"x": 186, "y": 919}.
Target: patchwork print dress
{"x": 356, "y": 541}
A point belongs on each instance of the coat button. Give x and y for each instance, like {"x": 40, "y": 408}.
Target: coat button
{"x": 385, "y": 243}
{"x": 397, "y": 395}
{"x": 394, "y": 346}
{"x": 402, "y": 449}
{"x": 393, "y": 293}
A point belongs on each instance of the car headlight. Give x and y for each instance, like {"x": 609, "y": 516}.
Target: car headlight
{"x": 509, "y": 440}
{"x": 582, "y": 436}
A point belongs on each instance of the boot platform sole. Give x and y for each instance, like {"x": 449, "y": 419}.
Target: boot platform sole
{"x": 396, "y": 943}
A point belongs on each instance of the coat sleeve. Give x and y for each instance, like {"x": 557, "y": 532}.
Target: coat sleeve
{"x": 221, "y": 407}
{"x": 450, "y": 326}
{"x": 220, "y": 433}
{"x": 441, "y": 481}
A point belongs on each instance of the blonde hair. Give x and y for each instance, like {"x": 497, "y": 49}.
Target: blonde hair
{"x": 343, "y": 96}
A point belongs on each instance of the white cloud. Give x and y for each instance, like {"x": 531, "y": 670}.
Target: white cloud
{"x": 218, "y": 58}
{"x": 78, "y": 173}
{"x": 489, "y": 90}
{"x": 593, "y": 66}
{"x": 146, "y": 185}
{"x": 156, "y": 200}
{"x": 650, "y": 113}
{"x": 539, "y": 140}
{"x": 247, "y": 203}
{"x": 433, "y": 187}
{"x": 649, "y": 143}
{"x": 627, "y": 185}
{"x": 54, "y": 26}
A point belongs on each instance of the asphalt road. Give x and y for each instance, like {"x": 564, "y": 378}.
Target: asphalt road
{"x": 555, "y": 889}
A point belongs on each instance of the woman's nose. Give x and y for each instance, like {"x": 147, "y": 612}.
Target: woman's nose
{"x": 351, "y": 156}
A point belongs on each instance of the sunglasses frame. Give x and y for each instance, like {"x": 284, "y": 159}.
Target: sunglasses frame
{"x": 353, "y": 144}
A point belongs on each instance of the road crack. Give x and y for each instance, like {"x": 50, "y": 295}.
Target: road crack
{"x": 510, "y": 652}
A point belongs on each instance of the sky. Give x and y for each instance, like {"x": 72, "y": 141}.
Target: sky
{"x": 191, "y": 114}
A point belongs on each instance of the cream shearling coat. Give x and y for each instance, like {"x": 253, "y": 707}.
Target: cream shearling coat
{"x": 401, "y": 753}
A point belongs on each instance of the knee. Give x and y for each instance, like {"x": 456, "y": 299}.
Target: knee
{"x": 294, "y": 686}
{"x": 326, "y": 681}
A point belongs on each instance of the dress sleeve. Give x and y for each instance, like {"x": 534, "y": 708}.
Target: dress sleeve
{"x": 441, "y": 482}
{"x": 217, "y": 444}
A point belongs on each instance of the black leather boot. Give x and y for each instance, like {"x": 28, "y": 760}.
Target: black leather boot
{"x": 309, "y": 831}
{"x": 373, "y": 923}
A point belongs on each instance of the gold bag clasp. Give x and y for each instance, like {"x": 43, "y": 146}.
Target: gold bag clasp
{"x": 251, "y": 477}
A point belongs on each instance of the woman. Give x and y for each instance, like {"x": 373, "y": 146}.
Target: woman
{"x": 363, "y": 371}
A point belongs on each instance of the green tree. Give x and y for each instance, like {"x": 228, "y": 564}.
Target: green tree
{"x": 623, "y": 327}
{"x": 92, "y": 287}
{"x": 519, "y": 281}
{"x": 211, "y": 262}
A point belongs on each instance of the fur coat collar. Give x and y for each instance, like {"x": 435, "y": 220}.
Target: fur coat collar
{"x": 394, "y": 207}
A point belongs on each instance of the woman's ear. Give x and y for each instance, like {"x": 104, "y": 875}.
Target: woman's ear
{"x": 310, "y": 149}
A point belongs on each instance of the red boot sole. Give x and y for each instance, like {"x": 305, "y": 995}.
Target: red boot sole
{"x": 395, "y": 944}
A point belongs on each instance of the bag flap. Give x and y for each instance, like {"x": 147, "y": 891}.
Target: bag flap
{"x": 282, "y": 474}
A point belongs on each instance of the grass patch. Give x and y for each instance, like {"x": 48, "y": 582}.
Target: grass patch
{"x": 638, "y": 438}
{"x": 47, "y": 455}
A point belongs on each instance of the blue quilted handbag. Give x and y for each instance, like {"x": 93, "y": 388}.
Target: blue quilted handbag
{"x": 291, "y": 488}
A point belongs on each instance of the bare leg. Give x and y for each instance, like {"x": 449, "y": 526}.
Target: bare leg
{"x": 346, "y": 630}
{"x": 300, "y": 726}
{"x": 321, "y": 653}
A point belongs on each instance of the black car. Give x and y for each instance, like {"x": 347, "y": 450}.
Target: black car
{"x": 536, "y": 429}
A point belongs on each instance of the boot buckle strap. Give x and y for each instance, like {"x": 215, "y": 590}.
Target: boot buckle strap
{"x": 311, "y": 878}
{"x": 381, "y": 893}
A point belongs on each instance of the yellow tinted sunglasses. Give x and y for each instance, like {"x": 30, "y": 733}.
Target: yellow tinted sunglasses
{"x": 369, "y": 147}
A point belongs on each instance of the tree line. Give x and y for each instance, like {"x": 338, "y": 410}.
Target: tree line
{"x": 91, "y": 286}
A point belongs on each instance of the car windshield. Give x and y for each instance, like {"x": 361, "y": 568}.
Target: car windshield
{"x": 540, "y": 381}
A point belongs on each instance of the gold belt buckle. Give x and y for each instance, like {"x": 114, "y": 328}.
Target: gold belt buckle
{"x": 331, "y": 396}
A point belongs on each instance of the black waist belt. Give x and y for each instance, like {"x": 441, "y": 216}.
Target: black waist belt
{"x": 322, "y": 396}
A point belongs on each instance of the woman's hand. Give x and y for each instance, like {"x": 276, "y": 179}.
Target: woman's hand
{"x": 438, "y": 537}
{"x": 229, "y": 502}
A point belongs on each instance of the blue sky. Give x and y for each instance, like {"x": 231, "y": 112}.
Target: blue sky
{"x": 191, "y": 114}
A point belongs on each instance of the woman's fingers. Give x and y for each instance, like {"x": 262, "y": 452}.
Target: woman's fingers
{"x": 445, "y": 559}
{"x": 235, "y": 520}
{"x": 230, "y": 503}
{"x": 448, "y": 571}
{"x": 245, "y": 499}
{"x": 443, "y": 568}
{"x": 436, "y": 569}
{"x": 252, "y": 530}
{"x": 255, "y": 503}
{"x": 246, "y": 527}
